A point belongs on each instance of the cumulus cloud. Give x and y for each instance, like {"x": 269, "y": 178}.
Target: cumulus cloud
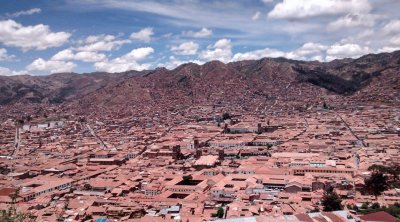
{"x": 295, "y": 9}
{"x": 186, "y": 48}
{"x": 256, "y": 16}
{"x": 203, "y": 33}
{"x": 50, "y": 66}
{"x": 8, "y": 72}
{"x": 353, "y": 20}
{"x": 308, "y": 51}
{"x": 89, "y": 56}
{"x": 65, "y": 54}
{"x": 129, "y": 61}
{"x": 174, "y": 62}
{"x": 349, "y": 50}
{"x": 37, "y": 37}
{"x": 68, "y": 54}
{"x": 4, "y": 56}
{"x": 143, "y": 35}
{"x": 25, "y": 12}
{"x": 258, "y": 54}
{"x": 221, "y": 50}
{"x": 96, "y": 43}
{"x": 395, "y": 40}
{"x": 392, "y": 27}
{"x": 390, "y": 34}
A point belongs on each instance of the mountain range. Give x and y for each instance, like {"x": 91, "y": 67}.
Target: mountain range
{"x": 373, "y": 77}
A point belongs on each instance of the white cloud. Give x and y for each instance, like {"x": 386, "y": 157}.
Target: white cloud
{"x": 390, "y": 35}
{"x": 68, "y": 54}
{"x": 143, "y": 35}
{"x": 256, "y": 16}
{"x": 395, "y": 40}
{"x": 65, "y": 54}
{"x": 267, "y": 1}
{"x": 4, "y": 56}
{"x": 139, "y": 54}
{"x": 353, "y": 20}
{"x": 258, "y": 54}
{"x": 37, "y": 37}
{"x": 203, "y": 33}
{"x": 186, "y": 48}
{"x": 388, "y": 49}
{"x": 51, "y": 66}
{"x": 7, "y": 72}
{"x": 26, "y": 12}
{"x": 129, "y": 61}
{"x": 294, "y": 9}
{"x": 89, "y": 56}
{"x": 174, "y": 62}
{"x": 393, "y": 27}
{"x": 96, "y": 43}
{"x": 308, "y": 51}
{"x": 221, "y": 50}
{"x": 338, "y": 51}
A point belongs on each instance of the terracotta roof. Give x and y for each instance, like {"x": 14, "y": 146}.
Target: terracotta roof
{"x": 380, "y": 216}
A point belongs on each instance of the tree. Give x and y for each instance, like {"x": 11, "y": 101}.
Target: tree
{"x": 220, "y": 212}
{"x": 187, "y": 178}
{"x": 325, "y": 105}
{"x": 393, "y": 170}
{"x": 226, "y": 116}
{"x": 377, "y": 168}
{"x": 365, "y": 205}
{"x": 331, "y": 201}
{"x": 11, "y": 214}
{"x": 375, "y": 205}
{"x": 376, "y": 184}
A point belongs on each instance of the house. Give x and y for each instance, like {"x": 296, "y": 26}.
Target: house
{"x": 380, "y": 216}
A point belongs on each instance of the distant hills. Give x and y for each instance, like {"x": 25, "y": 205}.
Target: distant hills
{"x": 372, "y": 77}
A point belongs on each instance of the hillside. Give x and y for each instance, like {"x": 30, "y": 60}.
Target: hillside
{"x": 372, "y": 77}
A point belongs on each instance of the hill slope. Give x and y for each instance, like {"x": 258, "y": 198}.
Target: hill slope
{"x": 369, "y": 78}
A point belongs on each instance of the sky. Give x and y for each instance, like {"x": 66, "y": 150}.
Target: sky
{"x": 43, "y": 37}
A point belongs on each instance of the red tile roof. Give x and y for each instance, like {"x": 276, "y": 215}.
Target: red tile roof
{"x": 380, "y": 216}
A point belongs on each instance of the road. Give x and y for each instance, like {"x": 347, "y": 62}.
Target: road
{"x": 103, "y": 145}
{"x": 17, "y": 141}
{"x": 351, "y": 130}
{"x": 301, "y": 133}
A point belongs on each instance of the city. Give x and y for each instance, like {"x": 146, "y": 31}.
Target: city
{"x": 200, "y": 111}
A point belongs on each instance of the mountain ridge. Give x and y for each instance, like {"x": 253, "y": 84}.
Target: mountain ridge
{"x": 214, "y": 80}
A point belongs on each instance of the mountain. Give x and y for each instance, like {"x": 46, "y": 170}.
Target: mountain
{"x": 373, "y": 77}
{"x": 56, "y": 88}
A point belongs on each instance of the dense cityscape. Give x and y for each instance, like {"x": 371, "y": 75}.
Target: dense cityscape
{"x": 200, "y": 111}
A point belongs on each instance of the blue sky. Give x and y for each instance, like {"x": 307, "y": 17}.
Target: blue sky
{"x": 42, "y": 37}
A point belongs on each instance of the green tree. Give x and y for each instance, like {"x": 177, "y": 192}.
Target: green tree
{"x": 187, "y": 178}
{"x": 11, "y": 214}
{"x": 377, "y": 168}
{"x": 365, "y": 205}
{"x": 375, "y": 206}
{"x": 325, "y": 105}
{"x": 376, "y": 184}
{"x": 220, "y": 212}
{"x": 331, "y": 201}
{"x": 226, "y": 116}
